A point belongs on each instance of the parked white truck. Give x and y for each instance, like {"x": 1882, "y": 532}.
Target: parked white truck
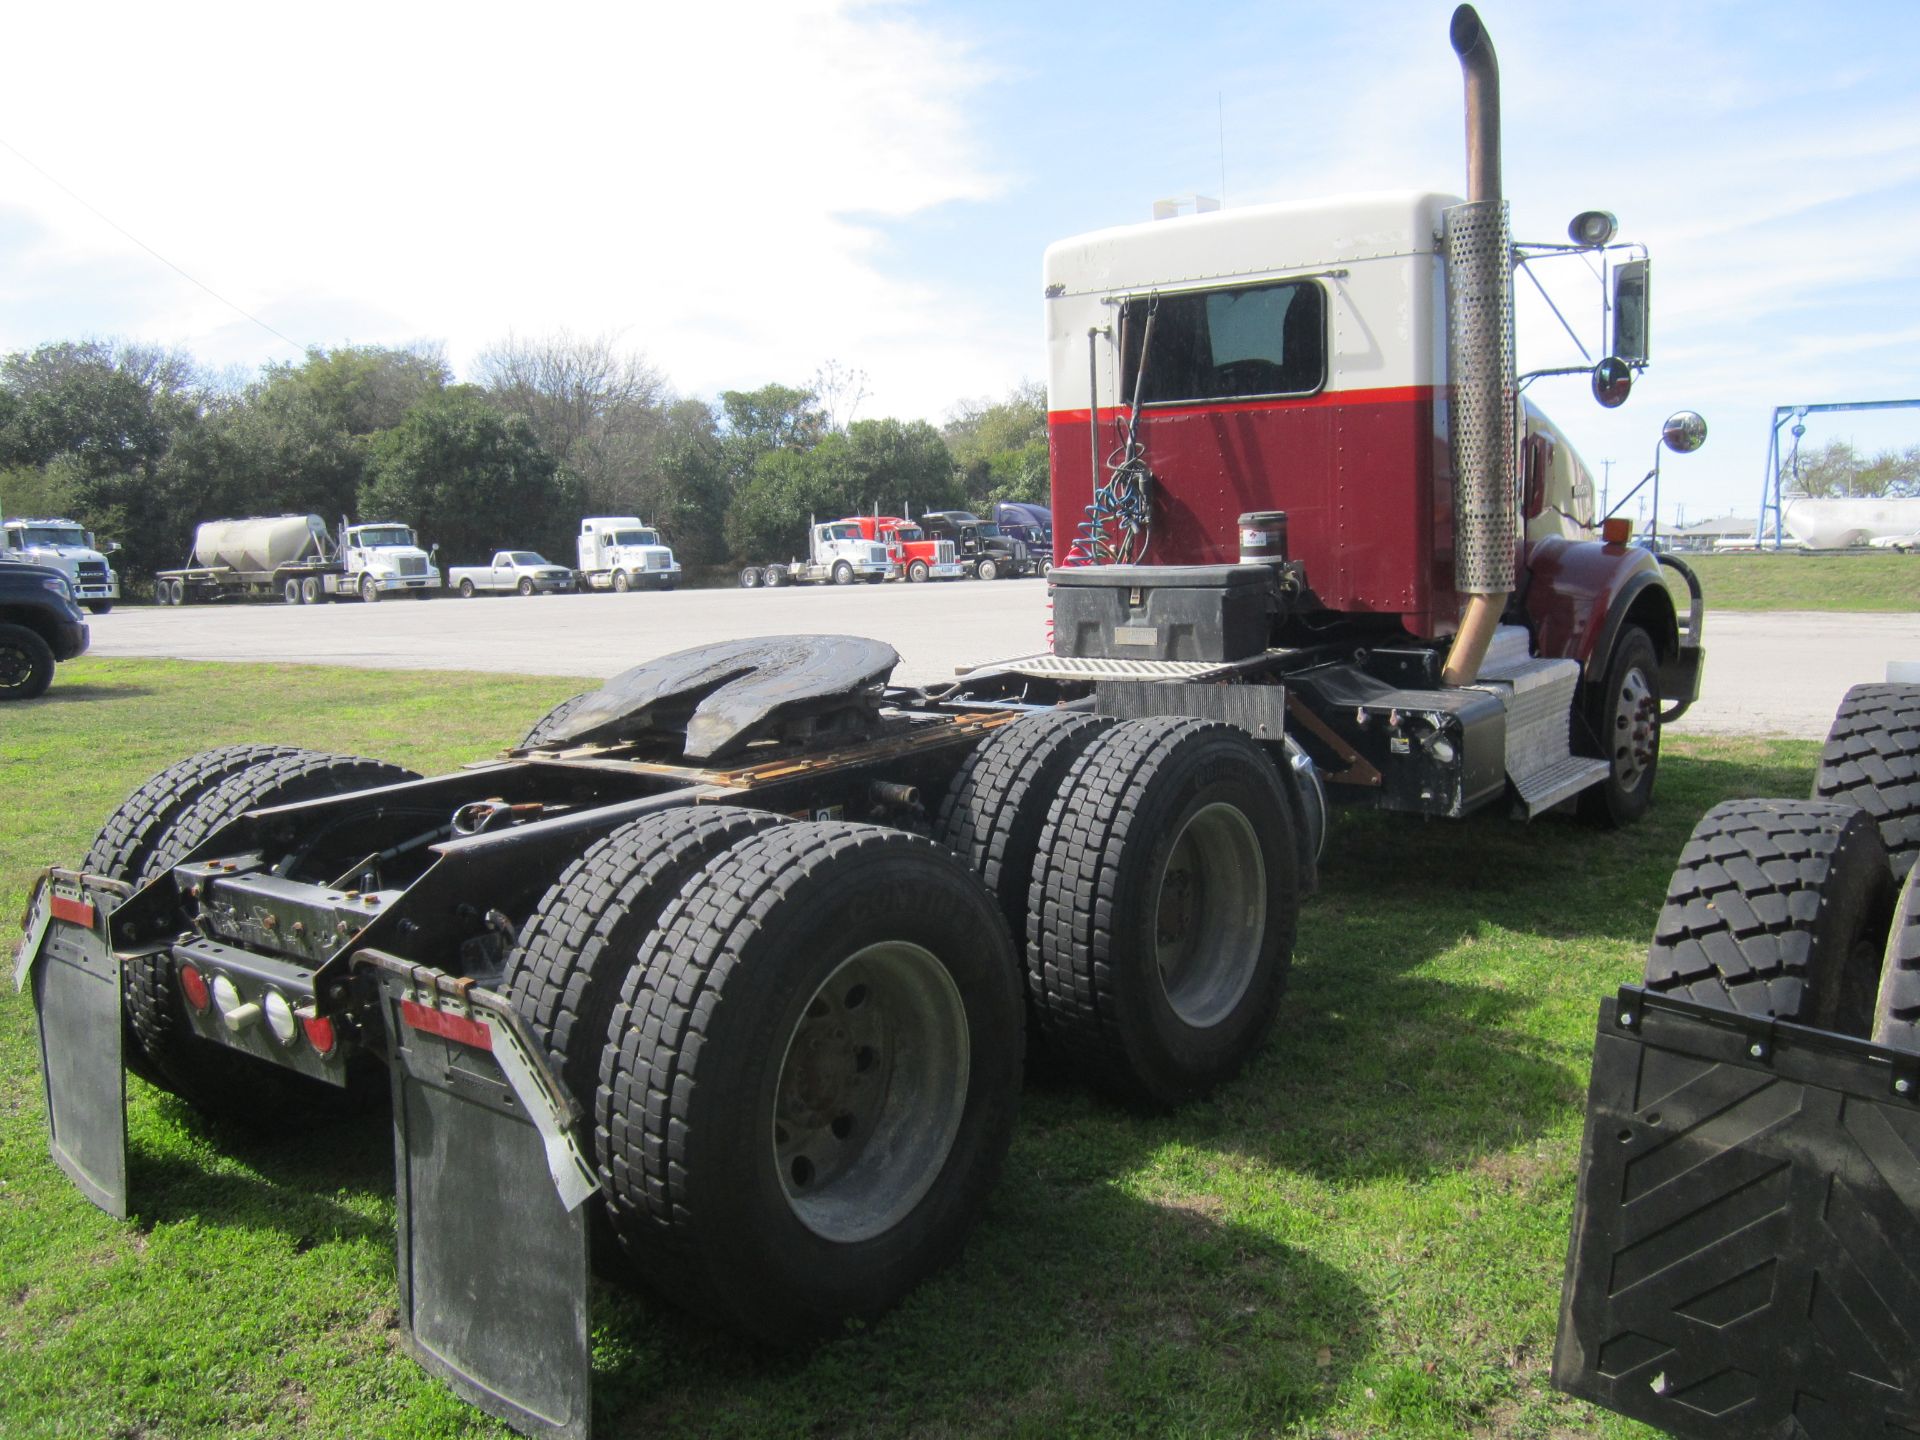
{"x": 65, "y": 546}
{"x": 838, "y": 551}
{"x": 292, "y": 557}
{"x": 526, "y": 571}
{"x": 618, "y": 553}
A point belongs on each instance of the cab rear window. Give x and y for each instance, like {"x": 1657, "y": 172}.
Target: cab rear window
{"x": 1236, "y": 344}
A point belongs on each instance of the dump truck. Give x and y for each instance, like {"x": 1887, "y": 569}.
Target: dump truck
{"x": 66, "y": 546}
{"x": 729, "y": 967}
{"x": 294, "y": 559}
{"x": 1741, "y": 1261}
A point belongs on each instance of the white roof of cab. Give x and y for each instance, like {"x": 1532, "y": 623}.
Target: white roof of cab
{"x": 1259, "y": 240}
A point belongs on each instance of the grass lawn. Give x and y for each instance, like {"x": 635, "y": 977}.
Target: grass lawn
{"x": 1795, "y": 581}
{"x": 1362, "y": 1236}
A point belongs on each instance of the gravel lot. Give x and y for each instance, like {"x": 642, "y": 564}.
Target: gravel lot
{"x": 1767, "y": 674}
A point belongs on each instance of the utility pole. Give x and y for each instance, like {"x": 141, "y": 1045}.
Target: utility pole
{"x": 1606, "y": 483}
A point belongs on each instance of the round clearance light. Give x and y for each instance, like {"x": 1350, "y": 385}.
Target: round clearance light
{"x": 280, "y": 1022}
{"x": 193, "y": 985}
{"x": 320, "y": 1034}
{"x": 226, "y": 995}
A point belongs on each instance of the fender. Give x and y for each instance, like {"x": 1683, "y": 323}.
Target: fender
{"x": 1579, "y": 593}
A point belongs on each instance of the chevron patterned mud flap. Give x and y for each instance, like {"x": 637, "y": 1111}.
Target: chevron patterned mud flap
{"x": 1745, "y": 1260}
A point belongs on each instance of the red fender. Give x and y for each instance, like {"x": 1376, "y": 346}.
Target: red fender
{"x": 1580, "y": 592}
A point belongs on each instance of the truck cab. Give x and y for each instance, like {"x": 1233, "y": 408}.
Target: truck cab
{"x": 1032, "y": 524}
{"x": 384, "y": 559}
{"x": 915, "y": 555}
{"x": 618, "y": 553}
{"x": 982, "y": 549}
{"x": 65, "y": 546}
{"x": 841, "y": 551}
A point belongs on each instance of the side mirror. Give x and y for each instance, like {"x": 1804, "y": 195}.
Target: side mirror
{"x": 1684, "y": 432}
{"x": 1612, "y": 382}
{"x": 1632, "y": 312}
{"x": 113, "y": 547}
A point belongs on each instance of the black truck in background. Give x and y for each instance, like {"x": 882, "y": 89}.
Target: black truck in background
{"x": 978, "y": 544}
{"x": 39, "y": 625}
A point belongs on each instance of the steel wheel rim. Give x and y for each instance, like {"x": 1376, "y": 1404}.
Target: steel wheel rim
{"x": 1636, "y": 729}
{"x": 1210, "y": 914}
{"x": 872, "y": 1086}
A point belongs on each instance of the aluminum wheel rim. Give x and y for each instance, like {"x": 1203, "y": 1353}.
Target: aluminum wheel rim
{"x": 1636, "y": 729}
{"x": 1210, "y": 914}
{"x": 872, "y": 1086}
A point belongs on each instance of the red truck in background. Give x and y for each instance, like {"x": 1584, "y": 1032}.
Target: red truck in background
{"x": 918, "y": 557}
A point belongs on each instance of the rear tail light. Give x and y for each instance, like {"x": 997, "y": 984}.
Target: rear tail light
{"x": 193, "y": 985}
{"x": 320, "y": 1033}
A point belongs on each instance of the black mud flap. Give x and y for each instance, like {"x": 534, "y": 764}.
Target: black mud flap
{"x": 490, "y": 1191}
{"x": 1745, "y": 1260}
{"x": 66, "y": 957}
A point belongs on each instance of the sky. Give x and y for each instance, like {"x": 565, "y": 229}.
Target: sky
{"x": 745, "y": 192}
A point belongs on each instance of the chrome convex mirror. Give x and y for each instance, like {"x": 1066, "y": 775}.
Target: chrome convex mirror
{"x": 1612, "y": 382}
{"x": 1685, "y": 431}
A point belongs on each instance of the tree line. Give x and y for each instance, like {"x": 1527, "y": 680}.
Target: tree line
{"x": 140, "y": 444}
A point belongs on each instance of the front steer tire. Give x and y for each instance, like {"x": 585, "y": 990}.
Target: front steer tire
{"x": 1872, "y": 759}
{"x": 810, "y": 1080}
{"x": 1162, "y": 911}
{"x": 1623, "y": 714}
{"x": 1778, "y": 908}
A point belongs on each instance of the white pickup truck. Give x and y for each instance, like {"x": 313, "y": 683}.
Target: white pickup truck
{"x": 526, "y": 571}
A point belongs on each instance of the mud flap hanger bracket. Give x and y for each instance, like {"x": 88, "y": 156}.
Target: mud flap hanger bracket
{"x": 1762, "y": 1035}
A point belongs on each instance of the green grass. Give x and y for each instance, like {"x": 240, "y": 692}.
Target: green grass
{"x": 1791, "y": 580}
{"x": 1363, "y": 1236}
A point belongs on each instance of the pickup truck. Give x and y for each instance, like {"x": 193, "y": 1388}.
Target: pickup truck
{"x": 526, "y": 571}
{"x": 39, "y": 624}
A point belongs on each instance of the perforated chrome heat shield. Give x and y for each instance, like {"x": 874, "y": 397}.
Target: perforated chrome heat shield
{"x": 1481, "y": 404}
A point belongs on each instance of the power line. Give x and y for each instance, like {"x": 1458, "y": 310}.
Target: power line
{"x": 102, "y": 215}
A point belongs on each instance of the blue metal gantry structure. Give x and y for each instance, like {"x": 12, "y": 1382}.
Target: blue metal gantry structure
{"x": 1776, "y": 463}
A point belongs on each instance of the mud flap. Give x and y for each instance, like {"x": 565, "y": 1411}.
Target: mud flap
{"x": 489, "y": 1193}
{"x": 1743, "y": 1261}
{"x": 75, "y": 975}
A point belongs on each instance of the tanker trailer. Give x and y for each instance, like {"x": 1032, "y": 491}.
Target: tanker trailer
{"x": 293, "y": 558}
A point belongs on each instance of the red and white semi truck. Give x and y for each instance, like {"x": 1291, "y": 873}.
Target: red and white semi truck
{"x": 737, "y": 951}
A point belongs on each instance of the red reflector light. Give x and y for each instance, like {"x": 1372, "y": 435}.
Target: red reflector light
{"x": 319, "y": 1034}
{"x": 193, "y": 985}
{"x": 74, "y": 912}
{"x": 1616, "y": 530}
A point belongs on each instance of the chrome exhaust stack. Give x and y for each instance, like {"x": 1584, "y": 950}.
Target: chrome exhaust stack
{"x": 1480, "y": 362}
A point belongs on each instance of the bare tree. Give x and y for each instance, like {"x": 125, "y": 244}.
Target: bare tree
{"x": 599, "y": 410}
{"x": 839, "y": 389}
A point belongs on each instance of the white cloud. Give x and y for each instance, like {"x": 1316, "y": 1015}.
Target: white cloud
{"x": 706, "y": 181}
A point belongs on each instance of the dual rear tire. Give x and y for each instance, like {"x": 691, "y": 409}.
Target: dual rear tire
{"x": 801, "y": 1044}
